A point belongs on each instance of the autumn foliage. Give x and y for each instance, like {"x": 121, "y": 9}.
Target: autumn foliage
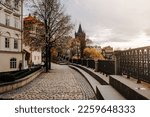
{"x": 54, "y": 53}
{"x": 33, "y": 33}
{"x": 93, "y": 54}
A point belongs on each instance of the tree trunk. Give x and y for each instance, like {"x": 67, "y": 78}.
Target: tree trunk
{"x": 46, "y": 59}
{"x": 46, "y": 40}
{"x": 49, "y": 58}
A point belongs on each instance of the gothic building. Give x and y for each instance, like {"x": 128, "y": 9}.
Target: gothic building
{"x": 10, "y": 34}
{"x": 80, "y": 37}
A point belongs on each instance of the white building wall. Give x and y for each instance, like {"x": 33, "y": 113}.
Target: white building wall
{"x": 12, "y": 37}
{"x": 36, "y": 57}
{"x": 15, "y": 33}
{"x": 5, "y": 61}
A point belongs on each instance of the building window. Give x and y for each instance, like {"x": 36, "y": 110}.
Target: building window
{"x": 6, "y": 42}
{"x": 34, "y": 57}
{"x": 8, "y": 2}
{"x": 16, "y": 3}
{"x": 16, "y": 23}
{"x": 13, "y": 63}
{"x": 15, "y": 44}
{"x": 7, "y": 20}
{"x": 33, "y": 28}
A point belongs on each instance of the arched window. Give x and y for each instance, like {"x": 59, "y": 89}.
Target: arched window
{"x": 13, "y": 63}
{"x": 7, "y": 20}
{"x": 7, "y": 40}
{"x": 16, "y": 42}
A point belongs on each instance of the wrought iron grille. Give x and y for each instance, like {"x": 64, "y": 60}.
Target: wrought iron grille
{"x": 107, "y": 66}
{"x": 84, "y": 62}
{"x": 91, "y": 63}
{"x": 136, "y": 63}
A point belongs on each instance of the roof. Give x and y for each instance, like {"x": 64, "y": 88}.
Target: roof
{"x": 32, "y": 19}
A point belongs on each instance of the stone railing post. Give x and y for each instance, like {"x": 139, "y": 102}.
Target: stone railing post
{"x": 117, "y": 63}
{"x": 96, "y": 66}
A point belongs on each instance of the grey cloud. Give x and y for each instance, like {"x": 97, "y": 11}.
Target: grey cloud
{"x": 126, "y": 18}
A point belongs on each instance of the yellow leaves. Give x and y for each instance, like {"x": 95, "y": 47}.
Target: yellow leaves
{"x": 71, "y": 43}
{"x": 87, "y": 52}
{"x": 93, "y": 53}
{"x": 33, "y": 33}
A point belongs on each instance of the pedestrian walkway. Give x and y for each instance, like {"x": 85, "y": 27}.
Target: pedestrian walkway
{"x": 61, "y": 82}
{"x": 103, "y": 92}
{"x": 125, "y": 86}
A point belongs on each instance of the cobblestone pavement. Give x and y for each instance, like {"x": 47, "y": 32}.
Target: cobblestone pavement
{"x": 60, "y": 83}
{"x": 86, "y": 88}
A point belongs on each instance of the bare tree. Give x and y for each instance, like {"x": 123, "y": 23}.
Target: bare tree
{"x": 56, "y": 22}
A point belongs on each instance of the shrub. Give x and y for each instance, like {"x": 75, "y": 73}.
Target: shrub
{"x": 22, "y": 75}
{"x": 7, "y": 77}
{"x": 12, "y": 76}
{"x": 20, "y": 72}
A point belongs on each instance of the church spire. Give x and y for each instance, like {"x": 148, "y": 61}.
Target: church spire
{"x": 80, "y": 29}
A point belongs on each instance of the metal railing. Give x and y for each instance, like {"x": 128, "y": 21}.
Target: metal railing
{"x": 84, "y": 62}
{"x": 133, "y": 63}
{"x": 91, "y": 63}
{"x": 106, "y": 66}
{"x": 136, "y": 63}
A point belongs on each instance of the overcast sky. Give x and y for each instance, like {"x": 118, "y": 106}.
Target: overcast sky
{"x": 118, "y": 23}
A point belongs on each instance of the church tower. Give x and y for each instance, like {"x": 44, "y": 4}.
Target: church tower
{"x": 80, "y": 36}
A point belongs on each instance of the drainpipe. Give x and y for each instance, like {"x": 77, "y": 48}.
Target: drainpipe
{"x": 22, "y": 34}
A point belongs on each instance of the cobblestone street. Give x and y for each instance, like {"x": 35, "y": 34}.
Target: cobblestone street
{"x": 61, "y": 82}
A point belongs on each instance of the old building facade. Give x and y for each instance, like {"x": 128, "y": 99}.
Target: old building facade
{"x": 31, "y": 42}
{"x": 108, "y": 52}
{"x": 10, "y": 35}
